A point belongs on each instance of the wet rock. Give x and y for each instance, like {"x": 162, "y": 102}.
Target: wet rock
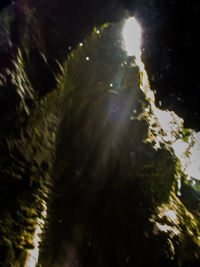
{"x": 27, "y": 154}
{"x": 116, "y": 194}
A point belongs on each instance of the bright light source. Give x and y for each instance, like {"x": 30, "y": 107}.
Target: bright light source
{"x": 132, "y": 34}
{"x": 33, "y": 254}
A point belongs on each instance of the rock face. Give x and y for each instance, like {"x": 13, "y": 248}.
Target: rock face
{"x": 116, "y": 200}
{"x": 29, "y": 122}
{"x": 76, "y": 138}
{"x": 27, "y": 153}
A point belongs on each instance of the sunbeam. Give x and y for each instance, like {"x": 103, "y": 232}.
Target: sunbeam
{"x": 187, "y": 150}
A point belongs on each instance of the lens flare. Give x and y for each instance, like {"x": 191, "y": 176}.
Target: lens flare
{"x": 132, "y": 34}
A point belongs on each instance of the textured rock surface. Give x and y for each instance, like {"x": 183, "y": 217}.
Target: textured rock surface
{"x": 116, "y": 198}
{"x": 112, "y": 197}
{"x": 29, "y": 122}
{"x": 27, "y": 154}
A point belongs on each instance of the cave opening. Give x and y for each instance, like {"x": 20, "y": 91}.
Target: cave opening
{"x": 99, "y": 158}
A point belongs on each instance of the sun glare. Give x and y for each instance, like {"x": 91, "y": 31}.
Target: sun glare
{"x": 170, "y": 123}
{"x": 132, "y": 34}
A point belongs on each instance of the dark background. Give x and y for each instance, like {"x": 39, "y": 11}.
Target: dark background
{"x": 170, "y": 40}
